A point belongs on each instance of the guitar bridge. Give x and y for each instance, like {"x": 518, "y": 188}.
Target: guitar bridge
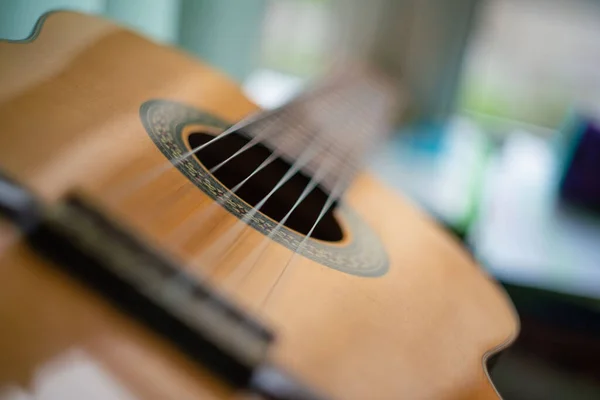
{"x": 149, "y": 287}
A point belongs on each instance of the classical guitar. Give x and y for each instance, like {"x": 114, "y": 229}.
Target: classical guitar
{"x": 156, "y": 221}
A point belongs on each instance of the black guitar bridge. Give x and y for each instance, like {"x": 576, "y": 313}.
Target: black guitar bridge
{"x": 152, "y": 289}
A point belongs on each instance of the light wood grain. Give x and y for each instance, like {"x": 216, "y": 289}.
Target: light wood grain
{"x": 69, "y": 118}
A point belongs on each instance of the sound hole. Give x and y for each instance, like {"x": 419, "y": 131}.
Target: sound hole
{"x": 258, "y": 187}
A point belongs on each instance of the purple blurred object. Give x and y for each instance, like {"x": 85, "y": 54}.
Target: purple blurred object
{"x": 581, "y": 182}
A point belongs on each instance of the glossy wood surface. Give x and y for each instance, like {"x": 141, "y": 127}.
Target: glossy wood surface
{"x": 69, "y": 117}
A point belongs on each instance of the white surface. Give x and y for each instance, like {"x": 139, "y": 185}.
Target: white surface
{"x": 523, "y": 236}
{"x": 74, "y": 375}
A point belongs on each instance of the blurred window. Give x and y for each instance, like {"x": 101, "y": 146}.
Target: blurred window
{"x": 530, "y": 60}
{"x": 296, "y": 36}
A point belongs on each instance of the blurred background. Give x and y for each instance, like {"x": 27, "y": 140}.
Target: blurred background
{"x": 500, "y": 140}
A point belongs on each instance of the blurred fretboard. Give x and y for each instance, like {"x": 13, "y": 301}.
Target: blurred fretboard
{"x": 335, "y": 124}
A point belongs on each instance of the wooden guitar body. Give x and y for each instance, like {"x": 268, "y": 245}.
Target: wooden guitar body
{"x": 395, "y": 310}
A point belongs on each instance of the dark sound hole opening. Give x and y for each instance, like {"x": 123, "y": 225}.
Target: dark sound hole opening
{"x": 257, "y": 187}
